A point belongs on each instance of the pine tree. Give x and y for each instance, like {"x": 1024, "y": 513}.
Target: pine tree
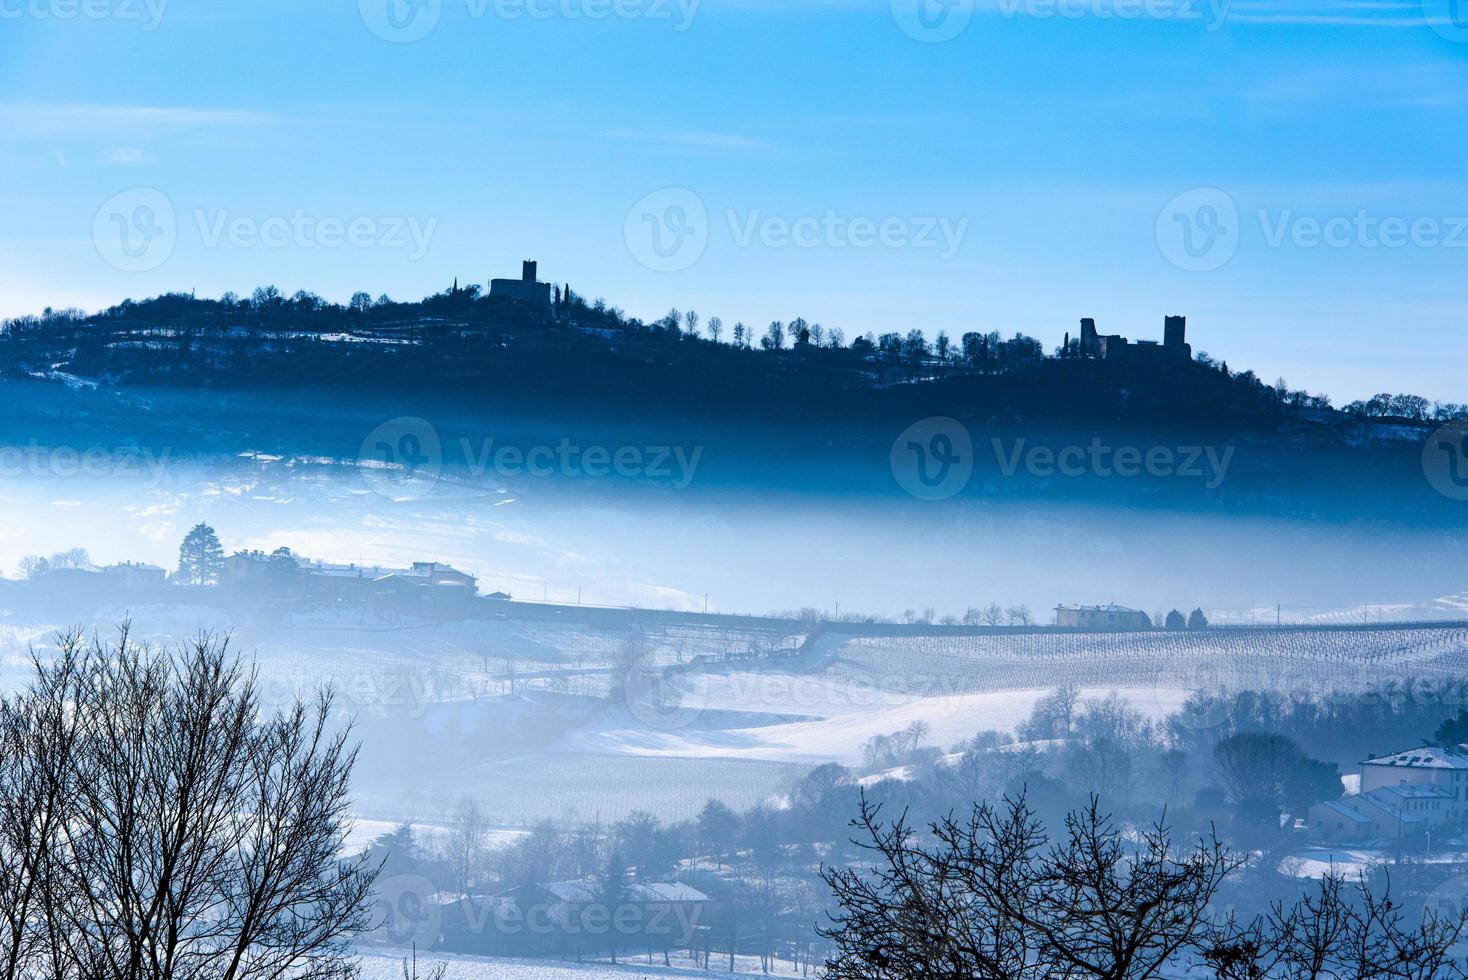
{"x": 614, "y": 893}
{"x": 200, "y": 557}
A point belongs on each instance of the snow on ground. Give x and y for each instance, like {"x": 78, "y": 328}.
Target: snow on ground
{"x": 365, "y": 831}
{"x": 1316, "y": 862}
{"x": 516, "y": 712}
{"x": 573, "y": 787}
{"x": 384, "y": 963}
{"x": 851, "y": 721}
{"x": 1288, "y": 660}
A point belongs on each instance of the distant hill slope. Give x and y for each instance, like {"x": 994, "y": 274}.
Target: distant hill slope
{"x": 524, "y": 714}
{"x": 303, "y": 378}
{"x": 500, "y": 354}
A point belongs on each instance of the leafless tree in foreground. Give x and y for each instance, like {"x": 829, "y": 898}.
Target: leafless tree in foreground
{"x": 1338, "y": 932}
{"x": 158, "y": 824}
{"x": 993, "y": 897}
{"x": 38, "y": 736}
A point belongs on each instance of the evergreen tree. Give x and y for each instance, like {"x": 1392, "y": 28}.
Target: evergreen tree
{"x": 283, "y": 568}
{"x": 613, "y": 895}
{"x": 398, "y": 851}
{"x": 200, "y": 557}
{"x": 1452, "y": 732}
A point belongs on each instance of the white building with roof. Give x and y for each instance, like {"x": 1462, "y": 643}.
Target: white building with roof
{"x": 1107, "y": 617}
{"x": 1431, "y": 765}
{"x": 1401, "y": 794}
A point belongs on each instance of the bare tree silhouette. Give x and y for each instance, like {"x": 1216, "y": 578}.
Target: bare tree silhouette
{"x": 160, "y": 822}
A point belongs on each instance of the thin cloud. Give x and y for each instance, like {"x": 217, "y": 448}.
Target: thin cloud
{"x": 688, "y": 141}
{"x": 1325, "y": 13}
{"x": 90, "y": 118}
{"x": 1339, "y": 13}
{"x": 1433, "y": 86}
{"x": 125, "y": 155}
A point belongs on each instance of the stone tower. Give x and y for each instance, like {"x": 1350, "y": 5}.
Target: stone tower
{"x": 1090, "y": 343}
{"x": 1175, "y": 331}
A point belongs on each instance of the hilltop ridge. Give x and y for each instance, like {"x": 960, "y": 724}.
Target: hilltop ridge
{"x": 799, "y": 406}
{"x": 516, "y": 347}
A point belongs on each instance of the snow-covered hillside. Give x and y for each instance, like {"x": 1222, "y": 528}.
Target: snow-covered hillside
{"x": 533, "y": 719}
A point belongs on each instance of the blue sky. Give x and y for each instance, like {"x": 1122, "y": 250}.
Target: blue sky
{"x": 1290, "y": 174}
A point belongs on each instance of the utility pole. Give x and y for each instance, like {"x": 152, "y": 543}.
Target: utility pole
{"x": 705, "y": 603}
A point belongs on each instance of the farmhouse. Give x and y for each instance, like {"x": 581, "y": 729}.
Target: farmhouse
{"x": 1402, "y": 794}
{"x": 1108, "y": 617}
{"x": 136, "y": 576}
{"x": 424, "y": 587}
{"x": 1334, "y": 820}
{"x": 1430, "y": 765}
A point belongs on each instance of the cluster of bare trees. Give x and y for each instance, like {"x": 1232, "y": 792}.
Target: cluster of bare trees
{"x": 993, "y": 615}
{"x": 156, "y": 821}
{"x": 1341, "y": 930}
{"x": 33, "y": 567}
{"x": 888, "y": 751}
{"x": 993, "y": 896}
{"x": 1413, "y": 407}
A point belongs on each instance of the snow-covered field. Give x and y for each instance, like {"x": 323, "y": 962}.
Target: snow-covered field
{"x": 525, "y": 716}
{"x": 379, "y": 963}
{"x": 841, "y": 725}
{"x": 1317, "y": 660}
